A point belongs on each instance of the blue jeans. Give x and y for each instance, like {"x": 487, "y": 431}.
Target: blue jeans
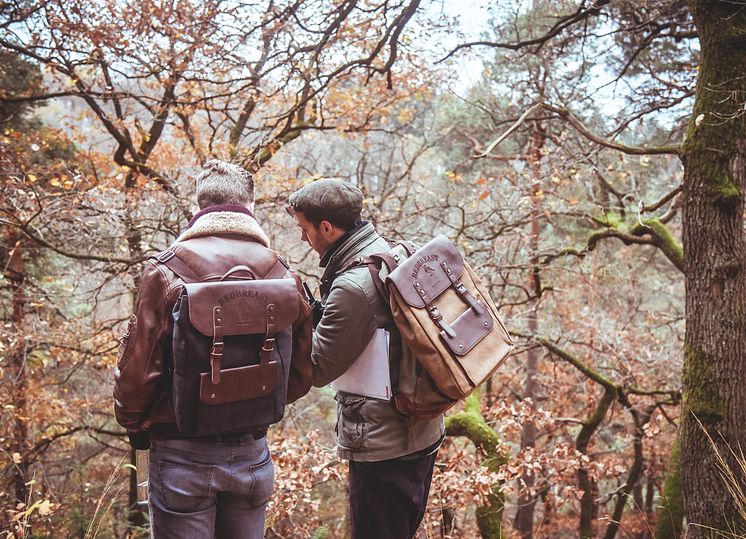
{"x": 209, "y": 489}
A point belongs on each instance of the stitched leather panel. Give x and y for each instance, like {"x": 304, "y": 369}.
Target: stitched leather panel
{"x": 239, "y": 384}
{"x": 469, "y": 328}
{"x": 424, "y": 268}
{"x": 243, "y": 305}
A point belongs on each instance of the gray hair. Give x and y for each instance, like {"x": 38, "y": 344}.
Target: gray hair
{"x": 224, "y": 183}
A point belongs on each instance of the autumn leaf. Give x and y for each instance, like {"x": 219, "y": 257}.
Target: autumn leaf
{"x": 45, "y": 508}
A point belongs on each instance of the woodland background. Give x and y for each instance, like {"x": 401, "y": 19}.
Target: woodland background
{"x": 574, "y": 151}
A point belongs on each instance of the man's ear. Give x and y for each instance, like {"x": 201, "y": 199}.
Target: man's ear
{"x": 326, "y": 227}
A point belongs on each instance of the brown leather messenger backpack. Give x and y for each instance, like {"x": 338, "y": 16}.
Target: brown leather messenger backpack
{"x": 452, "y": 333}
{"x": 231, "y": 349}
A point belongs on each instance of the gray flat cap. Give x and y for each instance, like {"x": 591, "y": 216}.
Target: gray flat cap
{"x": 336, "y": 201}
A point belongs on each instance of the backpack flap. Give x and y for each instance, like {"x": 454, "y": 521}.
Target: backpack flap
{"x": 425, "y": 276}
{"x": 241, "y": 306}
{"x": 419, "y": 277}
{"x": 218, "y": 309}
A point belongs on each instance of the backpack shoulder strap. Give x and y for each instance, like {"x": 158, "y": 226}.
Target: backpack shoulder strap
{"x": 278, "y": 271}
{"x": 373, "y": 262}
{"x": 169, "y": 259}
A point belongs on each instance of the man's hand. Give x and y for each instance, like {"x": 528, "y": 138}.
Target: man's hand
{"x": 139, "y": 439}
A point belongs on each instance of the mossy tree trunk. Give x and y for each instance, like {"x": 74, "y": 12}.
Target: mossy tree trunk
{"x": 668, "y": 523}
{"x": 471, "y": 424}
{"x": 714, "y": 157}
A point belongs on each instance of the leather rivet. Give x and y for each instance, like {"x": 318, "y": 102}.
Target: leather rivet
{"x": 212, "y": 396}
{"x": 486, "y": 324}
{"x": 264, "y": 388}
{"x": 460, "y": 345}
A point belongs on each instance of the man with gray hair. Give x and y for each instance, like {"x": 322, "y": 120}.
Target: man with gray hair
{"x": 391, "y": 456}
{"x": 203, "y": 486}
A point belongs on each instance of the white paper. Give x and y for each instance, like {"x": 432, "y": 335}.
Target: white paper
{"x": 369, "y": 375}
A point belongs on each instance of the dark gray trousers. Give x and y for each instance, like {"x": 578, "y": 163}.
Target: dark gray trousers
{"x": 388, "y": 498}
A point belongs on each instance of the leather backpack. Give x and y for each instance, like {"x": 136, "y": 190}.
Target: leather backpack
{"x": 453, "y": 336}
{"x": 231, "y": 349}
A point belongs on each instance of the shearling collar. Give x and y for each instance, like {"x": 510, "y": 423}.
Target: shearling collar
{"x": 224, "y": 223}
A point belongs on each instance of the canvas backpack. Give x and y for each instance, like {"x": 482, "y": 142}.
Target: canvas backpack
{"x": 453, "y": 336}
{"x": 231, "y": 349}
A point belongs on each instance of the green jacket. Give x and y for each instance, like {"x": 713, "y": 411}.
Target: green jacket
{"x": 367, "y": 429}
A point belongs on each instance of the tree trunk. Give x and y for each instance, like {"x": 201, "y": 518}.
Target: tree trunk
{"x": 714, "y": 157}
{"x": 670, "y": 517}
{"x": 136, "y": 516}
{"x": 15, "y": 272}
{"x": 471, "y": 424}
{"x": 524, "y": 519}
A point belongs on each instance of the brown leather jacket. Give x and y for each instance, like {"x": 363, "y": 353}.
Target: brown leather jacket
{"x": 142, "y": 390}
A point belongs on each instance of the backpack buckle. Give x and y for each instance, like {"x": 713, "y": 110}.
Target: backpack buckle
{"x": 267, "y": 348}
{"x": 164, "y": 256}
{"x": 216, "y": 355}
{"x": 438, "y": 319}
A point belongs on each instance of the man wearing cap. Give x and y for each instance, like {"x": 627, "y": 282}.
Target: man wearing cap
{"x": 204, "y": 487}
{"x": 391, "y": 457}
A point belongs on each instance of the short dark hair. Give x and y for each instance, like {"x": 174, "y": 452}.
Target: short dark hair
{"x": 336, "y": 201}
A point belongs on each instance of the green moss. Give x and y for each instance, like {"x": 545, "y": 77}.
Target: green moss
{"x": 726, "y": 193}
{"x": 671, "y": 247}
{"x": 671, "y": 510}
{"x": 321, "y": 533}
{"x": 701, "y": 396}
{"x": 471, "y": 424}
{"x": 613, "y": 220}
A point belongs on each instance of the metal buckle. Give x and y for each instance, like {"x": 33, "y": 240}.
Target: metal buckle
{"x": 271, "y": 343}
{"x": 165, "y": 256}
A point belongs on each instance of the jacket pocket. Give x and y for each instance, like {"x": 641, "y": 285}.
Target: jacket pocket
{"x": 351, "y": 428}
{"x": 127, "y": 342}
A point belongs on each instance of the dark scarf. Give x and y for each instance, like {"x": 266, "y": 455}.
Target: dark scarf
{"x": 342, "y": 249}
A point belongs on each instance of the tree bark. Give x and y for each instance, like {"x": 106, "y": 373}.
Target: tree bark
{"x": 669, "y": 521}
{"x": 524, "y": 519}
{"x": 136, "y": 516}
{"x": 714, "y": 157}
{"x": 15, "y": 272}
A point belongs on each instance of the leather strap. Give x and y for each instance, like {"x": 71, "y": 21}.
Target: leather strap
{"x": 175, "y": 264}
{"x": 171, "y": 260}
{"x": 278, "y": 271}
{"x": 433, "y": 310}
{"x": 216, "y": 353}
{"x": 461, "y": 290}
{"x": 269, "y": 340}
